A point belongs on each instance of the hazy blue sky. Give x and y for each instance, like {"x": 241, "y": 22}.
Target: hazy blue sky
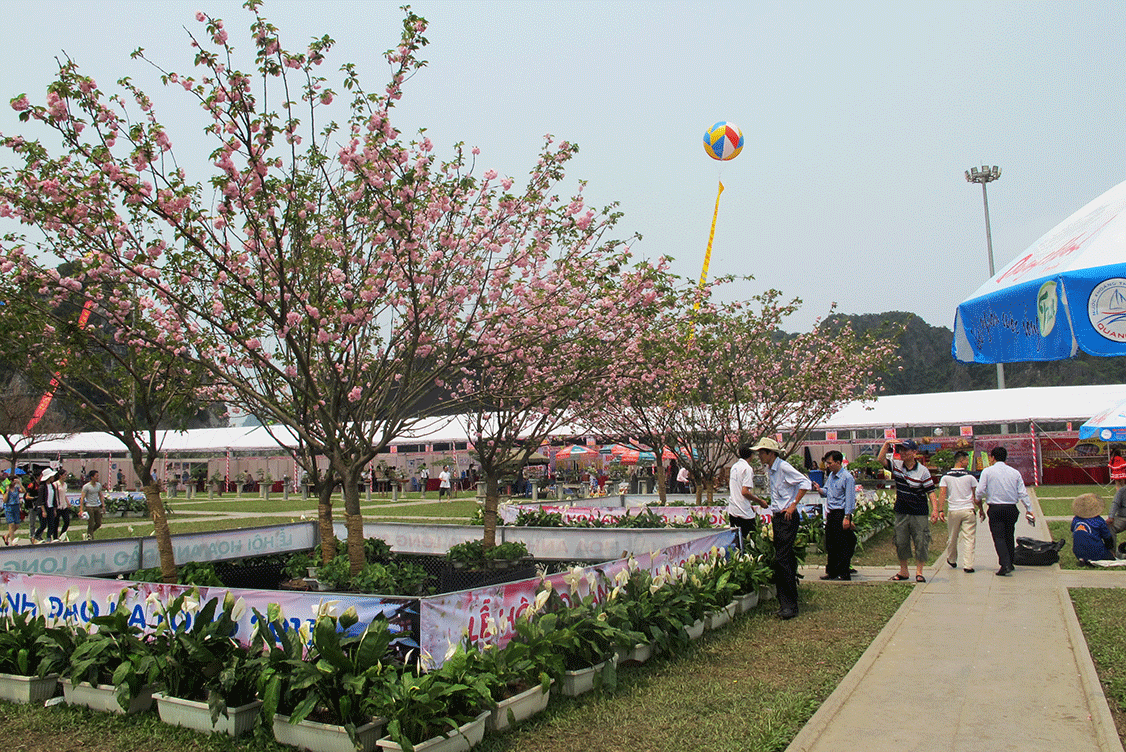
{"x": 860, "y": 118}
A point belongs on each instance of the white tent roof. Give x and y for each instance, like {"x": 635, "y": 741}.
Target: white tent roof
{"x": 1028, "y": 404}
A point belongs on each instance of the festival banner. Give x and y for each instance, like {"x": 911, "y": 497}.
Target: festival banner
{"x": 76, "y": 600}
{"x": 476, "y": 614}
{"x": 715, "y": 515}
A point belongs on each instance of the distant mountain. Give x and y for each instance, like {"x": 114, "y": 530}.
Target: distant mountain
{"x": 928, "y": 366}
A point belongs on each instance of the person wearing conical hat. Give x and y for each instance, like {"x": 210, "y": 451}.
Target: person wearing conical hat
{"x": 1091, "y": 539}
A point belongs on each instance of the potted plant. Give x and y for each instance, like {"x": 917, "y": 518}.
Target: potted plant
{"x": 440, "y": 711}
{"x": 218, "y": 483}
{"x": 323, "y": 699}
{"x": 21, "y": 656}
{"x": 112, "y": 669}
{"x": 587, "y": 643}
{"x": 265, "y": 482}
{"x": 210, "y": 679}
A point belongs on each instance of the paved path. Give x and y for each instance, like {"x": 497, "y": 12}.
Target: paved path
{"x": 973, "y": 662}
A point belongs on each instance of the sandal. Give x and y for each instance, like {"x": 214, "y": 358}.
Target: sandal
{"x": 900, "y": 577}
{"x": 920, "y": 578}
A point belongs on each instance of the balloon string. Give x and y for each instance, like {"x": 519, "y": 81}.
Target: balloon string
{"x": 708, "y": 252}
{"x": 707, "y": 263}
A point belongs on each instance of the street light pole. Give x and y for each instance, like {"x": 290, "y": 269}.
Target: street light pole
{"x": 987, "y": 175}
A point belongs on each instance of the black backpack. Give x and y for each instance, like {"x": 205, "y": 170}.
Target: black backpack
{"x": 1037, "y": 553}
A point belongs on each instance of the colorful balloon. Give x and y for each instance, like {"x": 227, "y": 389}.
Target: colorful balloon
{"x": 723, "y": 141}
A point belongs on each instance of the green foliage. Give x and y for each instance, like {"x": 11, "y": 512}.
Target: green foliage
{"x": 297, "y": 565}
{"x": 588, "y": 636}
{"x": 421, "y": 706}
{"x": 199, "y": 658}
{"x": 118, "y": 654}
{"x": 21, "y": 651}
{"x": 200, "y": 573}
{"x": 473, "y": 554}
{"x": 342, "y": 678}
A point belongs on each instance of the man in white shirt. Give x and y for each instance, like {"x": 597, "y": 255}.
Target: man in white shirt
{"x": 1002, "y": 487}
{"x": 444, "y": 483}
{"x": 741, "y": 482}
{"x": 957, "y": 501}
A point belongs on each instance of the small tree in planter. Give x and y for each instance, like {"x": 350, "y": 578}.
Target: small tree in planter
{"x": 218, "y": 483}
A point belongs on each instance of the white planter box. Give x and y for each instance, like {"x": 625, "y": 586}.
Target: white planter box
{"x": 176, "y": 711}
{"x": 721, "y": 618}
{"x": 27, "y": 689}
{"x": 579, "y": 682}
{"x": 326, "y": 737}
{"x": 640, "y": 653}
{"x": 518, "y": 708}
{"x": 695, "y": 631}
{"x": 462, "y": 739}
{"x": 746, "y": 603}
{"x": 102, "y": 697}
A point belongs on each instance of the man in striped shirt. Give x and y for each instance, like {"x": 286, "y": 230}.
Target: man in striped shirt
{"x": 914, "y": 493}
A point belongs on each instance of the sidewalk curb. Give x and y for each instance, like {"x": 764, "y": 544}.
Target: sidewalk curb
{"x": 829, "y": 709}
{"x": 1106, "y": 734}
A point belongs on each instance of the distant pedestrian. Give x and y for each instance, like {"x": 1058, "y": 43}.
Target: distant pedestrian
{"x": 1003, "y": 488}
{"x": 787, "y": 487}
{"x": 840, "y": 504}
{"x": 65, "y": 511}
{"x": 423, "y": 479}
{"x": 13, "y": 495}
{"x": 47, "y": 508}
{"x": 1091, "y": 539}
{"x": 683, "y": 478}
{"x": 92, "y": 503}
{"x": 914, "y": 498}
{"x": 957, "y": 501}
{"x": 444, "y": 483}
{"x": 1117, "y": 465}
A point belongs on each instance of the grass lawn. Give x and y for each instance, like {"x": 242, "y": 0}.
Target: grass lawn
{"x": 1055, "y": 501}
{"x": 879, "y": 550}
{"x": 1100, "y": 615}
{"x": 751, "y": 686}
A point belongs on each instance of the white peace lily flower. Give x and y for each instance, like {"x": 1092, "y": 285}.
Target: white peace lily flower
{"x": 573, "y": 578}
{"x": 601, "y": 616}
{"x": 614, "y": 593}
{"x": 451, "y": 651}
{"x": 349, "y": 613}
{"x": 632, "y": 564}
{"x": 622, "y": 577}
{"x": 591, "y": 579}
{"x": 303, "y": 631}
{"x": 691, "y": 560}
{"x": 153, "y": 601}
{"x": 325, "y": 608}
{"x": 541, "y": 599}
{"x": 490, "y": 629}
{"x": 239, "y": 610}
{"x": 71, "y": 595}
{"x": 190, "y": 605}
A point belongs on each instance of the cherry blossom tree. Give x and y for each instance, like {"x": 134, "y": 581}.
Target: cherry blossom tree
{"x": 328, "y": 276}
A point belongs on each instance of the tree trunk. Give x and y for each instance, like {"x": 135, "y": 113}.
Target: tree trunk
{"x": 492, "y": 499}
{"x": 354, "y": 521}
{"x": 660, "y": 476}
{"x": 324, "y": 521}
{"x": 163, "y": 535}
{"x": 699, "y": 493}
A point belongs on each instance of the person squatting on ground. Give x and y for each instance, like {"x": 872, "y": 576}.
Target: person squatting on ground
{"x": 741, "y": 512}
{"x": 957, "y": 501}
{"x": 92, "y": 503}
{"x": 1003, "y": 487}
{"x": 840, "y": 504}
{"x": 1091, "y": 539}
{"x": 787, "y": 487}
{"x": 914, "y": 496}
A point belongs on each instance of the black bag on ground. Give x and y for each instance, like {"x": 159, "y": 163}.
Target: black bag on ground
{"x": 1037, "y": 553}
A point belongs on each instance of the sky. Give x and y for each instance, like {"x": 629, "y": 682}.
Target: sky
{"x": 859, "y": 118}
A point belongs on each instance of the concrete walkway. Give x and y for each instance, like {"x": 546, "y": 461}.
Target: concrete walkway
{"x": 973, "y": 662}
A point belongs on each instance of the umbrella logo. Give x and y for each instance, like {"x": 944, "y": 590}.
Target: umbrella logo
{"x": 1106, "y": 309}
{"x": 1046, "y": 304}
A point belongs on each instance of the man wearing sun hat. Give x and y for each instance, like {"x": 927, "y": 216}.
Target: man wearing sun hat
{"x": 787, "y": 487}
{"x": 914, "y": 498}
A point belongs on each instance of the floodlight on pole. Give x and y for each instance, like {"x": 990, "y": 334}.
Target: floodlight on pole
{"x": 986, "y": 175}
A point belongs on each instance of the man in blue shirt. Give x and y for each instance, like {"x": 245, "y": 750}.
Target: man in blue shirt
{"x": 787, "y": 487}
{"x": 840, "y": 503}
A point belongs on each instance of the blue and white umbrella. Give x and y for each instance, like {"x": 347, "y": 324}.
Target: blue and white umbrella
{"x": 1108, "y": 426}
{"x": 1064, "y": 294}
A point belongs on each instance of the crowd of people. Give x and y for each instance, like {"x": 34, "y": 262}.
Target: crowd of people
{"x": 42, "y": 501}
{"x": 959, "y": 498}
